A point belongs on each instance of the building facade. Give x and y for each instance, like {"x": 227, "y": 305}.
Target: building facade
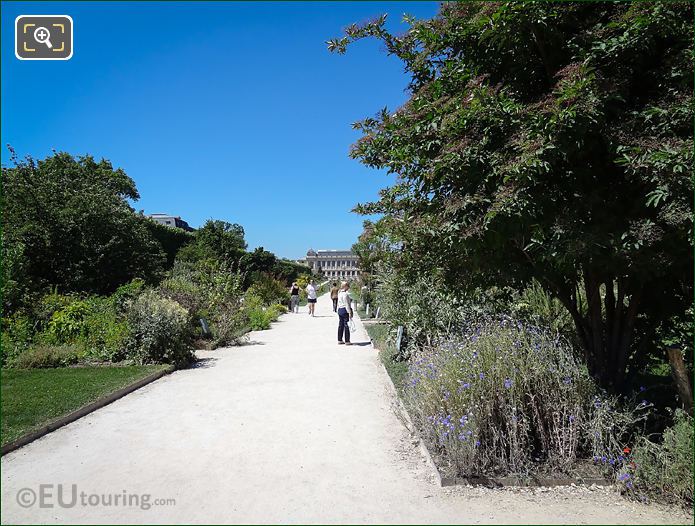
{"x": 334, "y": 264}
{"x": 172, "y": 221}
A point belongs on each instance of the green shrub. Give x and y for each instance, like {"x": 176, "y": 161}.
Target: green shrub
{"x": 49, "y": 305}
{"x": 184, "y": 287}
{"x": 420, "y": 304}
{"x": 259, "y": 319}
{"x": 159, "y": 331}
{"x": 502, "y": 397}
{"x": 125, "y": 294}
{"x": 210, "y": 290}
{"x": 106, "y": 330}
{"x": 46, "y": 356}
{"x": 280, "y": 309}
{"x": 537, "y": 306}
{"x": 663, "y": 471}
{"x": 68, "y": 323}
{"x": 17, "y": 335}
{"x": 269, "y": 290}
{"x": 228, "y": 326}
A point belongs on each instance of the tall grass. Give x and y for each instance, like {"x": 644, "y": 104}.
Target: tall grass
{"x": 503, "y": 397}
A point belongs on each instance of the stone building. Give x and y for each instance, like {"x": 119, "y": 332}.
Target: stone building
{"x": 334, "y": 264}
{"x": 169, "y": 220}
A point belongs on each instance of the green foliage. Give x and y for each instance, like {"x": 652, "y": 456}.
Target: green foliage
{"x": 217, "y": 240}
{"x": 208, "y": 289}
{"x": 17, "y": 335}
{"x": 171, "y": 239}
{"x": 126, "y": 293}
{"x": 663, "y": 471}
{"x": 288, "y": 271}
{"x": 259, "y": 319}
{"x": 269, "y": 290}
{"x": 159, "y": 331}
{"x": 260, "y": 314}
{"x": 47, "y": 356}
{"x": 508, "y": 398}
{"x": 260, "y": 260}
{"x": 536, "y": 305}
{"x": 420, "y": 304}
{"x": 67, "y": 223}
{"x": 546, "y": 140}
{"x": 67, "y": 324}
{"x": 105, "y": 329}
{"x": 372, "y": 247}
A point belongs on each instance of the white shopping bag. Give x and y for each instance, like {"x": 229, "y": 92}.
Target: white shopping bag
{"x": 352, "y": 326}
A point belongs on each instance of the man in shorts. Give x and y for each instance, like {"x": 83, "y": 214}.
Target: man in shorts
{"x": 311, "y": 296}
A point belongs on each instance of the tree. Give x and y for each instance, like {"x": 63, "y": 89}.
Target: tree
{"x": 547, "y": 140}
{"x": 67, "y": 223}
{"x": 217, "y": 240}
{"x": 172, "y": 239}
{"x": 372, "y": 247}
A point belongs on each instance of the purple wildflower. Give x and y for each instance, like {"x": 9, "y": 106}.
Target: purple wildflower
{"x": 507, "y": 383}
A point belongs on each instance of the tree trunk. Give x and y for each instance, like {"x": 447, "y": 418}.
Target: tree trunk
{"x": 606, "y": 326}
{"x": 681, "y": 378}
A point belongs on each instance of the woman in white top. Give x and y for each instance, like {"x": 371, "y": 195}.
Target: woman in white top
{"x": 344, "y": 313}
{"x": 311, "y": 296}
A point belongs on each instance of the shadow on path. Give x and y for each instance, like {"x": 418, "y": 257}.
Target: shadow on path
{"x": 203, "y": 363}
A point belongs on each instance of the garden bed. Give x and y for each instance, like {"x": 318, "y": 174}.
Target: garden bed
{"x": 584, "y": 473}
{"x": 37, "y": 401}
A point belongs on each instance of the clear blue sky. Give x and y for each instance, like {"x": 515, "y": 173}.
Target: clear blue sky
{"x": 231, "y": 111}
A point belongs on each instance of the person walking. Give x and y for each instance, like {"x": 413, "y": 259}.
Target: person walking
{"x": 311, "y": 296}
{"x": 294, "y": 298}
{"x": 334, "y": 296}
{"x": 344, "y": 314}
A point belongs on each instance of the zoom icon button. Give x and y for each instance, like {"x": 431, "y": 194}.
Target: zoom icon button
{"x": 43, "y": 37}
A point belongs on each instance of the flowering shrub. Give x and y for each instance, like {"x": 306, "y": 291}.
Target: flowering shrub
{"x": 212, "y": 291}
{"x": 662, "y": 470}
{"x": 159, "y": 331}
{"x": 503, "y": 397}
{"x": 48, "y": 356}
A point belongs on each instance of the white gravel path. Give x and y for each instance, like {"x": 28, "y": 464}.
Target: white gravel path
{"x": 292, "y": 429}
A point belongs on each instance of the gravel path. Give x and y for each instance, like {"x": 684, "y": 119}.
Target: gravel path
{"x": 291, "y": 428}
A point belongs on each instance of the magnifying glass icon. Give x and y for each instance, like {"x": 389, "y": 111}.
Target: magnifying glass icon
{"x": 42, "y": 36}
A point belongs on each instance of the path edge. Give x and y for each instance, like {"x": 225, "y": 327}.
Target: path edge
{"x": 498, "y": 482}
{"x": 391, "y": 387}
{"x": 83, "y": 411}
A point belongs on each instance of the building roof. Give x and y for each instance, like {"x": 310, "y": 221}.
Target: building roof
{"x": 335, "y": 253}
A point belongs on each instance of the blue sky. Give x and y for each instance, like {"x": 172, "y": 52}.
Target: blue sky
{"x": 231, "y": 111}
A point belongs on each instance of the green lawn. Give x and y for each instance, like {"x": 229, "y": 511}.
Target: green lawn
{"x": 34, "y": 397}
{"x": 379, "y": 335}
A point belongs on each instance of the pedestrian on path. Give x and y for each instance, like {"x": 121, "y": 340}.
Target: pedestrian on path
{"x": 334, "y": 296}
{"x": 344, "y": 313}
{"x": 311, "y": 296}
{"x": 294, "y": 298}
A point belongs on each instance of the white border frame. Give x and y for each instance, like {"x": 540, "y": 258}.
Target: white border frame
{"x": 72, "y": 39}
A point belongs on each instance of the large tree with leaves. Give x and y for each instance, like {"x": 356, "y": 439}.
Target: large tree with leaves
{"x": 547, "y": 140}
{"x": 68, "y": 224}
